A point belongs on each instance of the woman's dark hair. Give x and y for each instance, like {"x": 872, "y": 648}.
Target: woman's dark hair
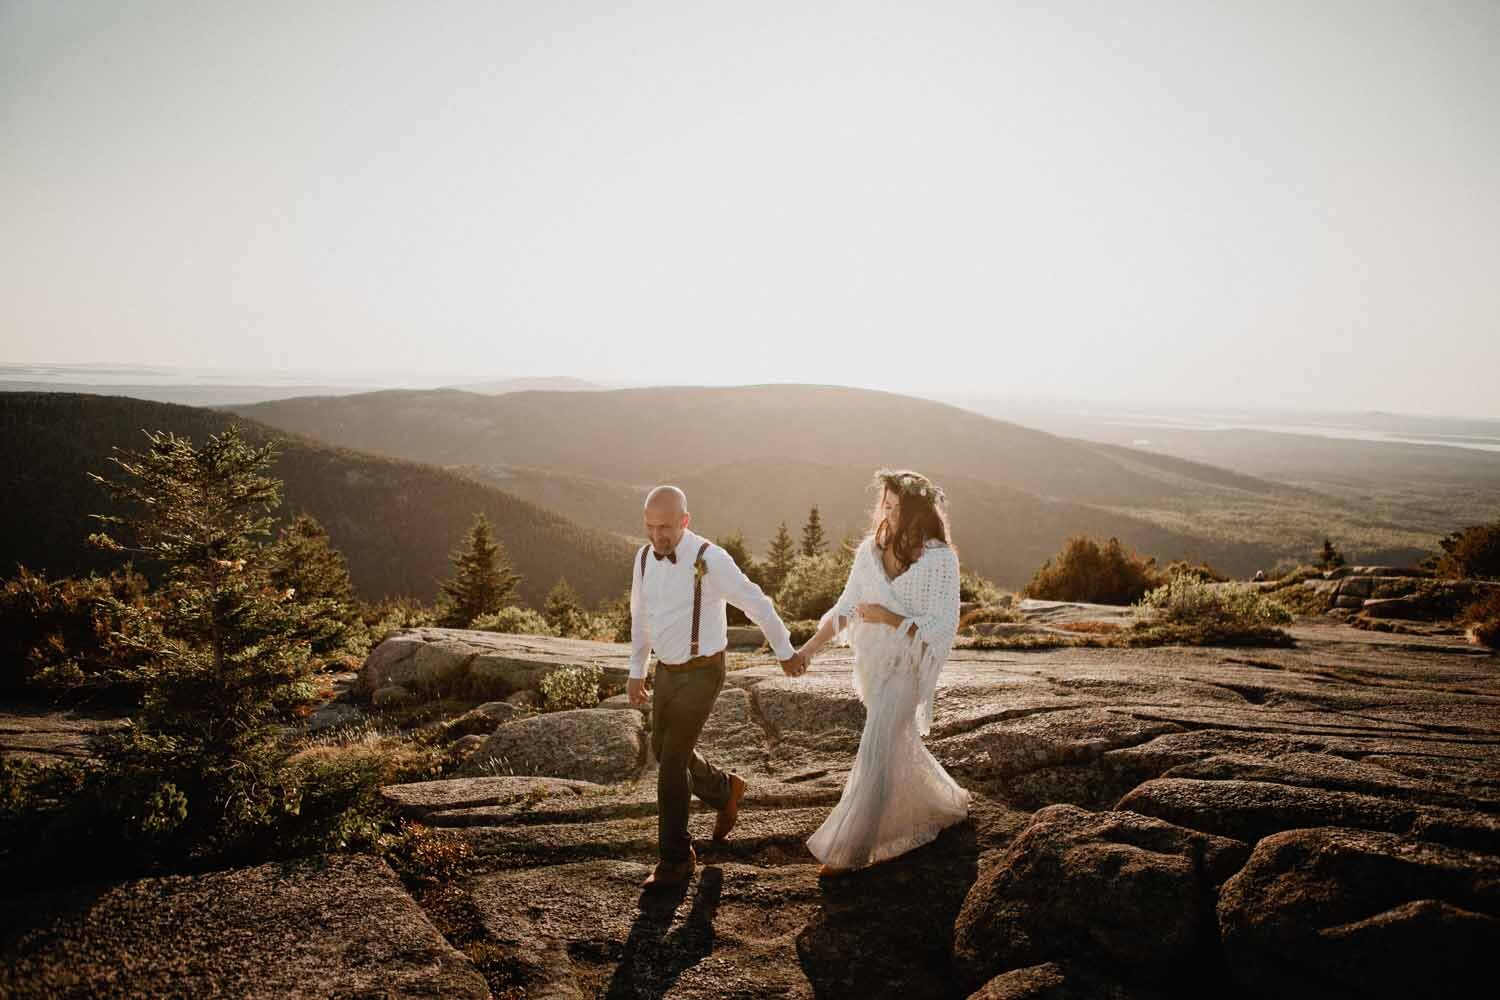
{"x": 919, "y": 518}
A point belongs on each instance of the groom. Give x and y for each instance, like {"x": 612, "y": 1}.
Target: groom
{"x": 678, "y": 587}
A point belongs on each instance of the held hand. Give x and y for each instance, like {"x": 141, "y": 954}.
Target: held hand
{"x": 878, "y": 614}
{"x": 794, "y": 667}
{"x": 635, "y": 690}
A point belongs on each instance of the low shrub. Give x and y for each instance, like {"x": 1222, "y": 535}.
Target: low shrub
{"x": 987, "y": 615}
{"x": 516, "y": 621}
{"x": 423, "y": 854}
{"x": 571, "y": 687}
{"x": 975, "y": 589}
{"x": 1188, "y": 600}
{"x": 1483, "y": 619}
{"x": 802, "y": 630}
{"x": 1473, "y": 553}
{"x": 54, "y": 634}
{"x": 393, "y": 614}
{"x": 1090, "y": 572}
{"x": 1202, "y": 571}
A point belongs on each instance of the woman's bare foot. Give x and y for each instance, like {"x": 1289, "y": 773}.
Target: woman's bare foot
{"x": 828, "y": 871}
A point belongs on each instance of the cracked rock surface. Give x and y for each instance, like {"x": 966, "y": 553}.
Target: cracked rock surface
{"x": 1166, "y": 822}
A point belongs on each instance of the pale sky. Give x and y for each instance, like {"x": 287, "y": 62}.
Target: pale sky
{"x": 1287, "y": 203}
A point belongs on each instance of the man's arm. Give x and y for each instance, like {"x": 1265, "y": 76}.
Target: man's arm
{"x": 640, "y": 637}
{"x": 742, "y": 592}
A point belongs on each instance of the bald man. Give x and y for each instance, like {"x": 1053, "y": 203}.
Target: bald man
{"x": 678, "y": 588}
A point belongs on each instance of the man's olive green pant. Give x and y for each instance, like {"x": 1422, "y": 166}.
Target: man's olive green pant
{"x": 680, "y": 705}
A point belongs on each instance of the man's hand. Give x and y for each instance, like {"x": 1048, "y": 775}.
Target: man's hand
{"x": 794, "y": 667}
{"x": 635, "y": 690}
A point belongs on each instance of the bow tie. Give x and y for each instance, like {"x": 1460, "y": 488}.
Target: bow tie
{"x": 672, "y": 556}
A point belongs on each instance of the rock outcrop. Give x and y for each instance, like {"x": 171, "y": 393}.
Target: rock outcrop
{"x": 324, "y": 927}
{"x": 1147, "y": 823}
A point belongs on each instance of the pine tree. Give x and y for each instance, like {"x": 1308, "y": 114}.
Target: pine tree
{"x": 734, "y": 544}
{"x": 1330, "y": 557}
{"x": 302, "y": 561}
{"x": 778, "y": 561}
{"x": 564, "y": 609}
{"x": 222, "y": 654}
{"x": 813, "y": 539}
{"x": 483, "y": 581}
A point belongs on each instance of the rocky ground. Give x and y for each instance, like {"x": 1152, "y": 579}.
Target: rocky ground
{"x": 1321, "y": 820}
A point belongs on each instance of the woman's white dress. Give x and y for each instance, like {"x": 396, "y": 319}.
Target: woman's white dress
{"x": 898, "y": 796}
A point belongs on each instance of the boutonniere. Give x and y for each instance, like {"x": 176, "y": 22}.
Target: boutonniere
{"x": 700, "y": 568}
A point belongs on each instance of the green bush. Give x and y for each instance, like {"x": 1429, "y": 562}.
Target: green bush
{"x": 987, "y": 615}
{"x": 571, "y": 687}
{"x": 1186, "y": 599}
{"x": 1092, "y": 573}
{"x": 515, "y": 620}
{"x": 975, "y": 589}
{"x": 389, "y": 616}
{"x": 1473, "y": 553}
{"x": 54, "y": 634}
{"x": 802, "y": 629}
{"x": 1202, "y": 571}
{"x": 1483, "y": 619}
{"x": 812, "y": 585}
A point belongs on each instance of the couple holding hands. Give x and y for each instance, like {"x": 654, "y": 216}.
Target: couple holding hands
{"x": 899, "y": 613}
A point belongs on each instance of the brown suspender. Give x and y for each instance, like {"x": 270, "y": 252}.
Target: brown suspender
{"x": 697, "y": 596}
{"x": 697, "y": 590}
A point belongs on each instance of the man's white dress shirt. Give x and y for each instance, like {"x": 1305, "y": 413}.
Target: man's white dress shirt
{"x": 661, "y": 607}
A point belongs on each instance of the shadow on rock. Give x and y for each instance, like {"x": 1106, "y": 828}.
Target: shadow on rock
{"x": 888, "y": 930}
{"x": 655, "y": 953}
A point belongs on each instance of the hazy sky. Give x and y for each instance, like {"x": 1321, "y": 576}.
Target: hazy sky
{"x": 1290, "y": 203}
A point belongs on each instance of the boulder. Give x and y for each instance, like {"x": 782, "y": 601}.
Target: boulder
{"x": 390, "y": 694}
{"x": 483, "y": 664}
{"x": 483, "y": 719}
{"x": 337, "y": 925}
{"x": 590, "y": 744}
{"x": 1250, "y": 810}
{"x": 745, "y": 637}
{"x": 420, "y": 800}
{"x": 1410, "y": 608}
{"x": 1323, "y": 912}
{"x": 1053, "y": 981}
{"x": 525, "y": 699}
{"x": 1114, "y": 891}
{"x": 332, "y": 715}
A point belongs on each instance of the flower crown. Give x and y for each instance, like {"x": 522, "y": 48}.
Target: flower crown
{"x": 911, "y": 484}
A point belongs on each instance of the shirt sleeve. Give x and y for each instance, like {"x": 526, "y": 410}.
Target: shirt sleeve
{"x": 640, "y": 634}
{"x": 936, "y": 595}
{"x": 743, "y": 593}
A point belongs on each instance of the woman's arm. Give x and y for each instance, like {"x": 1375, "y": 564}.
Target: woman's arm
{"x": 836, "y": 618}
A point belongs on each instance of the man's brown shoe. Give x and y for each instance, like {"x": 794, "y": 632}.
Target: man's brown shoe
{"x": 731, "y": 810}
{"x": 668, "y": 874}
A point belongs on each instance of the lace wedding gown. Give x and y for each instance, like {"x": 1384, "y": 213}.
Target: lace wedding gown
{"x": 898, "y": 796}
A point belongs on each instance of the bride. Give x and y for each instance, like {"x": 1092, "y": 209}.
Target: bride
{"x": 899, "y": 612}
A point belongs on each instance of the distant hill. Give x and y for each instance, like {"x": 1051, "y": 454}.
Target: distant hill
{"x": 552, "y": 383}
{"x": 753, "y": 456}
{"x": 396, "y": 521}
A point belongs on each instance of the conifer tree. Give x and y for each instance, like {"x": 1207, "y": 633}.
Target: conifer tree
{"x": 483, "y": 581}
{"x": 222, "y": 654}
{"x": 813, "y": 539}
{"x": 778, "y": 560}
{"x": 302, "y": 561}
{"x": 1330, "y": 557}
{"x": 564, "y": 609}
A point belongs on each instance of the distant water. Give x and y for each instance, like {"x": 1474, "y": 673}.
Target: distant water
{"x": 1125, "y": 423}
{"x": 208, "y": 386}
{"x": 1468, "y": 438}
